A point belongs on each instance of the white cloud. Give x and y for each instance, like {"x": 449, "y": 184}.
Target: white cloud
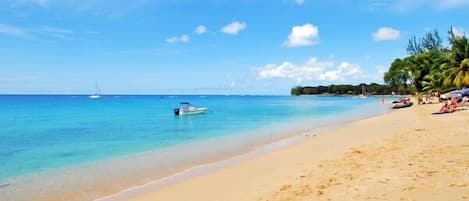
{"x": 386, "y": 33}
{"x": 299, "y": 2}
{"x": 55, "y": 32}
{"x": 445, "y": 4}
{"x": 305, "y": 35}
{"x": 381, "y": 70}
{"x": 179, "y": 39}
{"x": 185, "y": 38}
{"x": 114, "y": 9}
{"x": 17, "y": 78}
{"x": 12, "y": 31}
{"x": 313, "y": 69}
{"x": 201, "y": 29}
{"x": 234, "y": 27}
{"x": 410, "y": 5}
{"x": 42, "y": 3}
{"x": 458, "y": 31}
{"x": 344, "y": 69}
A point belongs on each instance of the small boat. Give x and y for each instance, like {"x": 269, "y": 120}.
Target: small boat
{"x": 363, "y": 95}
{"x": 401, "y": 105}
{"x": 96, "y": 94}
{"x": 185, "y": 108}
{"x": 401, "y": 100}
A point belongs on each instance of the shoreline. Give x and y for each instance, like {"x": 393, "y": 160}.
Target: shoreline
{"x": 292, "y": 138}
{"x": 126, "y": 177}
{"x": 286, "y": 175}
{"x": 205, "y": 168}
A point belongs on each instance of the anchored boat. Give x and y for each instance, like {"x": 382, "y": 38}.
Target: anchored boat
{"x": 185, "y": 108}
{"x": 401, "y": 105}
{"x": 96, "y": 94}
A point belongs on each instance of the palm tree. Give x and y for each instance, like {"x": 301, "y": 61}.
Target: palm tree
{"x": 458, "y": 67}
{"x": 434, "y": 83}
{"x": 419, "y": 66}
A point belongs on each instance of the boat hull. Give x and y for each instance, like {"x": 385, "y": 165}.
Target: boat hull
{"x": 180, "y": 112}
{"x": 401, "y": 105}
{"x": 95, "y": 97}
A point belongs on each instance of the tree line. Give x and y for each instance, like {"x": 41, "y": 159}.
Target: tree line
{"x": 342, "y": 89}
{"x": 431, "y": 67}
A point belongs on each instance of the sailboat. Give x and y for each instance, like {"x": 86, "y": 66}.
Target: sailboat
{"x": 363, "y": 95}
{"x": 96, "y": 94}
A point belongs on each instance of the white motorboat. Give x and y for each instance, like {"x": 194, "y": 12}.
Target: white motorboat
{"x": 185, "y": 108}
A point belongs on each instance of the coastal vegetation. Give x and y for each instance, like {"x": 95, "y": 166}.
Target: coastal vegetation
{"x": 429, "y": 67}
{"x": 342, "y": 89}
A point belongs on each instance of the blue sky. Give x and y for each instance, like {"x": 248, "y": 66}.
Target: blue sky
{"x": 210, "y": 46}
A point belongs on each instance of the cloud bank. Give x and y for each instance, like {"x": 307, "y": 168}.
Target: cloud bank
{"x": 312, "y": 70}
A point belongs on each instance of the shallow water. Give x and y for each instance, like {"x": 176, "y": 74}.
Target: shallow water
{"x": 42, "y": 133}
{"x": 52, "y": 146}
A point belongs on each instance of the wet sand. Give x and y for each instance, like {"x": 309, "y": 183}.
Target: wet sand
{"x": 407, "y": 154}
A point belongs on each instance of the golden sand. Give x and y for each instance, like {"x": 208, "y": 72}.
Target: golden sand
{"x": 405, "y": 155}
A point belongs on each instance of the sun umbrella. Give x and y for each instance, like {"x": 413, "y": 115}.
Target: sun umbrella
{"x": 464, "y": 92}
{"x": 451, "y": 94}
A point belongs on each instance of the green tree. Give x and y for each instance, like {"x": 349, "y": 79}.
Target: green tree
{"x": 424, "y": 65}
{"x": 414, "y": 46}
{"x": 457, "y": 66}
{"x": 296, "y": 91}
{"x": 434, "y": 82}
{"x": 397, "y": 76}
{"x": 432, "y": 41}
{"x": 430, "y": 66}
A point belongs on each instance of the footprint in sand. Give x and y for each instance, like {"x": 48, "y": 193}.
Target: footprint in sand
{"x": 285, "y": 187}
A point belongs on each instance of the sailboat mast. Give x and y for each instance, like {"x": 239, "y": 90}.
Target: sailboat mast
{"x": 96, "y": 90}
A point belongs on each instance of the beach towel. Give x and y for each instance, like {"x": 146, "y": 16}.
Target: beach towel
{"x": 436, "y": 113}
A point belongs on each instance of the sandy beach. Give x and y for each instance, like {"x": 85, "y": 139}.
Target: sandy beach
{"x": 407, "y": 154}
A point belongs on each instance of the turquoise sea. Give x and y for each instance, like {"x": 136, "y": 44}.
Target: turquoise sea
{"x": 46, "y": 132}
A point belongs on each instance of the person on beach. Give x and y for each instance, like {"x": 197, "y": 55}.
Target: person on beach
{"x": 464, "y": 102}
{"x": 450, "y": 106}
{"x": 445, "y": 108}
{"x": 453, "y": 104}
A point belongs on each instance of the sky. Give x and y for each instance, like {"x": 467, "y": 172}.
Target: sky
{"x": 209, "y": 46}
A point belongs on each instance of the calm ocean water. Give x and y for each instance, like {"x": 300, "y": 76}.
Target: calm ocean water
{"x": 45, "y": 132}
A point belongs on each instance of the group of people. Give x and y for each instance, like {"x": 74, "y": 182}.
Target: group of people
{"x": 454, "y": 104}
{"x": 430, "y": 98}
